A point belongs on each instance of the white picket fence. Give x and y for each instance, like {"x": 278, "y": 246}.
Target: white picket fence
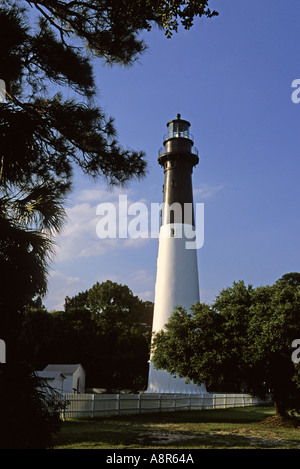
{"x": 99, "y": 405}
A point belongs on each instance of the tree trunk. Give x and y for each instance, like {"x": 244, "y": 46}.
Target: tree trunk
{"x": 280, "y": 409}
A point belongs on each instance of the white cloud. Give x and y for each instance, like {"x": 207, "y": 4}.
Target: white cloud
{"x": 98, "y": 195}
{"x": 207, "y": 191}
{"x": 79, "y": 240}
{"x": 146, "y": 295}
{"x": 144, "y": 283}
{"x": 80, "y": 237}
{"x": 60, "y": 286}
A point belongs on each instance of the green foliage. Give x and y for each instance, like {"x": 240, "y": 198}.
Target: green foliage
{"x": 243, "y": 342}
{"x": 29, "y": 412}
{"x": 123, "y": 329}
{"x": 46, "y": 48}
{"x": 110, "y": 28}
{"x": 106, "y": 328}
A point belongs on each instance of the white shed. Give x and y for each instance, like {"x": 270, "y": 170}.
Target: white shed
{"x": 74, "y": 382}
{"x": 54, "y": 379}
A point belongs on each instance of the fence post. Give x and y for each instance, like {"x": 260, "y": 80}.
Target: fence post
{"x": 118, "y": 404}
{"x": 139, "y": 403}
{"x": 93, "y": 406}
{"x": 64, "y": 406}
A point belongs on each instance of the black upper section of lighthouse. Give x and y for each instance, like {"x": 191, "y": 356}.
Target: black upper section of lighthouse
{"x": 178, "y": 157}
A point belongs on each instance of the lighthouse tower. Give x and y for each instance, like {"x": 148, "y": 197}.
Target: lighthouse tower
{"x": 177, "y": 271}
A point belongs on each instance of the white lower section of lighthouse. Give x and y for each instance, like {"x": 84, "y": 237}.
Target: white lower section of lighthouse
{"x": 177, "y": 284}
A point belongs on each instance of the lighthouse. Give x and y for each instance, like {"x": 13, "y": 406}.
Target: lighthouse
{"x": 177, "y": 281}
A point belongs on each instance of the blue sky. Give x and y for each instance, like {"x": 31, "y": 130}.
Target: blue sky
{"x": 231, "y": 77}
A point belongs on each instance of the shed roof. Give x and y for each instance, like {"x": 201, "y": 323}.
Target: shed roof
{"x": 50, "y": 374}
{"x": 64, "y": 368}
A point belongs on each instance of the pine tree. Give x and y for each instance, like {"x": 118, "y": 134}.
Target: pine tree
{"x": 47, "y": 45}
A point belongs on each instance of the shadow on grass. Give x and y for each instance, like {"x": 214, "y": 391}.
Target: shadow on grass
{"x": 234, "y": 415}
{"x": 222, "y": 428}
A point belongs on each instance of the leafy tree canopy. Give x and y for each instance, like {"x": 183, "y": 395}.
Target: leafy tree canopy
{"x": 106, "y": 328}
{"x": 110, "y": 302}
{"x": 242, "y": 342}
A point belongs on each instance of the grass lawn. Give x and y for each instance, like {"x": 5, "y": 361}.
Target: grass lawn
{"x": 236, "y": 428}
